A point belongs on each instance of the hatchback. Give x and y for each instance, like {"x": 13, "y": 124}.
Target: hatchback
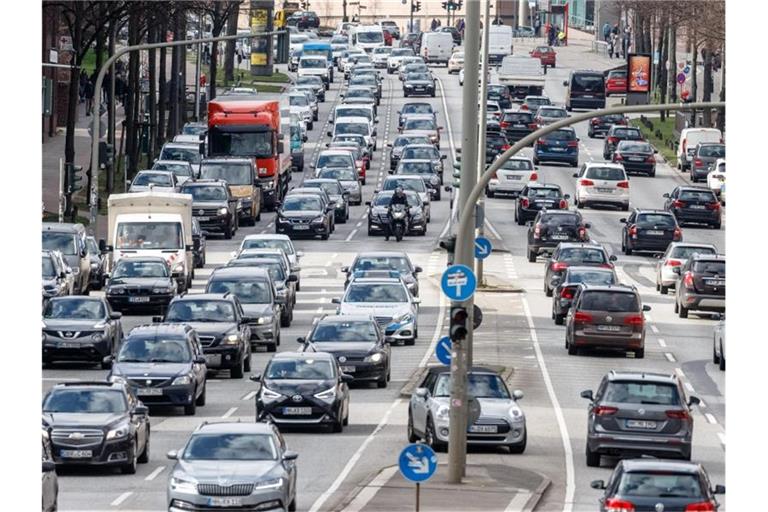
{"x": 704, "y": 159}
{"x": 701, "y": 285}
{"x": 677, "y": 254}
{"x": 565, "y": 286}
{"x": 532, "y": 103}
{"x": 536, "y": 197}
{"x": 649, "y": 230}
{"x": 616, "y": 134}
{"x": 694, "y": 204}
{"x": 546, "y": 54}
{"x": 513, "y": 176}
{"x": 602, "y": 183}
{"x": 562, "y": 145}
{"x": 616, "y": 82}
{"x": 552, "y": 227}
{"x": 636, "y": 156}
{"x": 547, "y": 115}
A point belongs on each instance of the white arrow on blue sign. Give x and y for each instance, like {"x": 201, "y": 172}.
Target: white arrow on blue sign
{"x": 483, "y": 247}
{"x": 443, "y": 350}
{"x": 458, "y": 282}
{"x": 417, "y": 462}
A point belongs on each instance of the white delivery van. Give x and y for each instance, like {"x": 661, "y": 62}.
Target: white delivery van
{"x": 436, "y": 47}
{"x": 689, "y": 138}
{"x": 499, "y": 43}
{"x": 366, "y": 37}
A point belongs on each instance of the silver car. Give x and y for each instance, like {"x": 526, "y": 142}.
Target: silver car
{"x": 348, "y": 179}
{"x": 233, "y": 465}
{"x": 414, "y": 183}
{"x": 500, "y": 421}
{"x": 159, "y": 181}
{"x": 276, "y": 241}
{"x": 676, "y": 256}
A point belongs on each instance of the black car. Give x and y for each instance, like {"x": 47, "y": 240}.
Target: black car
{"x": 658, "y": 484}
{"x": 418, "y": 84}
{"x": 80, "y": 328}
{"x": 398, "y": 145}
{"x": 303, "y": 388}
{"x": 96, "y": 424}
{"x": 601, "y": 124}
{"x": 616, "y": 134}
{"x": 213, "y": 205}
{"x": 636, "y": 157}
{"x": 258, "y": 298}
{"x": 428, "y": 172}
{"x": 499, "y": 93}
{"x": 495, "y": 144}
{"x": 140, "y": 283}
{"x": 649, "y": 230}
{"x": 303, "y": 20}
{"x": 221, "y": 326}
{"x": 551, "y": 227}
{"x": 329, "y": 173}
{"x": 317, "y": 85}
{"x": 414, "y": 108}
{"x": 336, "y": 192}
{"x": 567, "y": 283}
{"x": 164, "y": 365}
{"x": 536, "y": 197}
{"x": 303, "y": 215}
{"x": 694, "y": 204}
{"x": 585, "y": 89}
{"x": 572, "y": 254}
{"x": 378, "y": 213}
{"x": 358, "y": 344}
{"x": 386, "y": 260}
{"x": 198, "y": 244}
{"x": 425, "y": 152}
{"x": 701, "y": 285}
{"x": 517, "y": 125}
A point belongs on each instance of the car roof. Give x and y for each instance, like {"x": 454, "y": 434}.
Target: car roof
{"x": 149, "y": 259}
{"x": 377, "y": 280}
{"x": 352, "y": 119}
{"x": 652, "y": 210}
{"x": 159, "y": 329}
{"x": 618, "y": 287}
{"x": 120, "y": 386}
{"x": 415, "y": 160}
{"x": 266, "y": 236}
{"x": 346, "y": 318}
{"x": 585, "y": 268}
{"x": 676, "y": 466}
{"x": 440, "y": 369}
{"x": 234, "y": 427}
{"x": 227, "y": 159}
{"x": 204, "y": 296}
{"x": 619, "y": 375}
{"x": 690, "y": 188}
{"x": 205, "y": 181}
{"x": 604, "y": 164}
{"x": 584, "y": 245}
{"x": 250, "y": 272}
{"x": 340, "y": 151}
{"x": 172, "y": 162}
{"x": 303, "y": 355}
{"x": 63, "y": 227}
{"x": 403, "y": 177}
{"x": 181, "y": 145}
{"x": 543, "y": 185}
{"x": 388, "y": 254}
{"x": 559, "y": 212}
{"x": 419, "y": 145}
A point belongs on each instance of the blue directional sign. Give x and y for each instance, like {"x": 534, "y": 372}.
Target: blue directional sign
{"x": 443, "y": 350}
{"x": 418, "y": 462}
{"x": 458, "y": 282}
{"x": 482, "y": 247}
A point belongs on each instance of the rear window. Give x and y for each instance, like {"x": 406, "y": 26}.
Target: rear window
{"x": 627, "y": 133}
{"x": 619, "y": 302}
{"x": 697, "y": 195}
{"x": 641, "y": 393}
{"x": 552, "y": 112}
{"x": 583, "y": 82}
{"x": 635, "y": 147}
{"x": 560, "y": 220}
{"x": 660, "y": 485}
{"x": 561, "y": 135}
{"x": 709, "y": 267}
{"x": 518, "y": 165}
{"x": 617, "y": 74}
{"x": 550, "y": 193}
{"x": 655, "y": 219}
{"x": 612, "y": 118}
{"x": 606, "y": 173}
{"x": 518, "y": 117}
{"x": 713, "y": 151}
{"x": 591, "y": 277}
{"x": 582, "y": 254}
{"x": 685, "y": 253}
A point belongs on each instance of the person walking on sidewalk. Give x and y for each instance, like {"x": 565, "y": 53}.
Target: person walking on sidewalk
{"x": 88, "y": 96}
{"x": 433, "y": 25}
{"x": 606, "y": 32}
{"x": 616, "y": 45}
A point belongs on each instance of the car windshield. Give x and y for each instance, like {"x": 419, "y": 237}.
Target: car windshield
{"x": 415, "y": 168}
{"x": 345, "y": 174}
{"x": 627, "y": 133}
{"x": 599, "y": 277}
{"x": 299, "y": 369}
{"x": 404, "y": 141}
{"x": 641, "y": 393}
{"x": 635, "y": 147}
{"x": 154, "y": 350}
{"x": 144, "y": 179}
{"x": 232, "y": 173}
{"x": 357, "y": 128}
{"x": 191, "y": 155}
{"x": 149, "y": 235}
{"x": 79, "y": 309}
{"x": 481, "y": 385}
{"x": 194, "y": 129}
{"x": 518, "y": 117}
{"x": 298, "y": 100}
{"x": 560, "y": 220}
{"x": 402, "y": 52}
{"x": 712, "y": 151}
{"x": 606, "y": 173}
{"x": 704, "y": 196}
{"x": 370, "y": 37}
{"x": 561, "y": 135}
{"x": 249, "y": 291}
{"x": 180, "y": 169}
{"x": 309, "y": 80}
{"x": 333, "y": 160}
{"x": 398, "y": 263}
{"x": 49, "y": 271}
{"x": 684, "y": 253}
{"x": 650, "y": 220}
{"x": 62, "y": 242}
{"x": 203, "y": 193}
{"x": 94, "y": 401}
{"x": 659, "y": 484}
{"x": 542, "y": 49}
{"x": 345, "y": 331}
{"x": 266, "y": 243}
{"x": 612, "y": 301}
{"x": 552, "y": 112}
{"x": 366, "y": 79}
{"x": 313, "y": 63}
{"x": 495, "y": 139}
{"x": 201, "y": 311}
{"x": 360, "y": 93}
{"x": 343, "y": 111}
{"x": 245, "y": 447}
{"x": 302, "y": 204}
{"x": 425, "y": 153}
{"x": 419, "y": 124}
{"x": 384, "y": 199}
{"x": 617, "y": 74}
{"x": 581, "y": 254}
{"x": 274, "y": 267}
{"x": 417, "y": 108}
{"x": 710, "y": 268}
{"x": 418, "y": 76}
{"x": 518, "y": 165}
{"x": 379, "y": 292}
{"x": 417, "y": 185}
{"x": 237, "y": 143}
{"x": 128, "y": 268}
{"x": 544, "y": 193}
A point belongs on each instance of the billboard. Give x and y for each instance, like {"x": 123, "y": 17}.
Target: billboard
{"x": 638, "y": 73}
{"x": 261, "y": 47}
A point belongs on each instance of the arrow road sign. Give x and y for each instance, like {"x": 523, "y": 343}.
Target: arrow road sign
{"x": 417, "y": 462}
{"x": 443, "y": 350}
{"x": 458, "y": 282}
{"x": 483, "y": 248}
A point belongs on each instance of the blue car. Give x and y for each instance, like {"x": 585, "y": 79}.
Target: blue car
{"x": 559, "y": 146}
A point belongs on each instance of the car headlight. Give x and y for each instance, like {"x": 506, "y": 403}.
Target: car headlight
{"x": 442, "y": 412}
{"x": 120, "y": 431}
{"x": 232, "y": 339}
{"x": 329, "y": 395}
{"x": 267, "y": 395}
{"x": 223, "y": 211}
{"x": 515, "y": 414}
{"x": 267, "y": 185}
{"x": 183, "y": 486}
{"x": 115, "y": 291}
{"x": 374, "y": 358}
{"x": 433, "y": 138}
{"x": 178, "y": 268}
{"x": 183, "y": 380}
{"x": 264, "y": 320}
{"x": 406, "y": 318}
{"x": 272, "y": 483}
{"x": 97, "y": 337}
{"x": 318, "y": 220}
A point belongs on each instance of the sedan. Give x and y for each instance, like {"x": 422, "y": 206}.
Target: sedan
{"x": 418, "y": 84}
{"x": 569, "y": 254}
{"x": 140, "y": 283}
{"x": 426, "y": 170}
{"x": 158, "y": 181}
{"x": 517, "y": 125}
{"x": 649, "y": 230}
{"x": 533, "y": 103}
{"x": 397, "y": 146}
{"x": 423, "y": 124}
{"x": 636, "y": 157}
{"x": 547, "y": 115}
{"x": 303, "y": 215}
{"x": 456, "y": 62}
{"x": 337, "y": 194}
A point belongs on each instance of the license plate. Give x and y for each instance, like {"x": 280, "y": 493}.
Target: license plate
{"x": 715, "y": 282}
{"x": 203, "y": 219}
{"x": 588, "y": 96}
{"x": 297, "y": 411}
{"x": 558, "y": 149}
{"x": 301, "y": 227}
{"x": 636, "y": 159}
{"x": 609, "y": 328}
{"x": 513, "y": 178}
{"x": 138, "y": 299}
{"x": 518, "y": 126}
{"x": 213, "y": 359}
{"x": 605, "y": 190}
{"x": 150, "y": 391}
{"x": 69, "y": 345}
{"x": 697, "y": 207}
{"x": 76, "y": 454}
{"x": 654, "y": 232}
{"x": 559, "y": 237}
{"x": 225, "y": 501}
{"x": 640, "y": 424}
{"x": 348, "y": 369}
{"x": 484, "y": 429}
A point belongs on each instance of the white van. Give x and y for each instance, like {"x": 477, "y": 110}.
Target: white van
{"x": 499, "y": 42}
{"x": 436, "y": 47}
{"x": 689, "y": 138}
{"x": 366, "y": 37}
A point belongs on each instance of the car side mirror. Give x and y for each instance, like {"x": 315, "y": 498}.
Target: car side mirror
{"x": 418, "y": 269}
{"x": 665, "y": 195}
{"x": 376, "y": 119}
{"x": 655, "y": 151}
{"x": 256, "y": 377}
{"x": 293, "y": 278}
{"x": 367, "y": 203}
{"x": 565, "y": 83}
{"x": 199, "y": 360}
{"x": 517, "y": 394}
{"x": 335, "y": 300}
{"x": 157, "y": 319}
{"x": 612, "y": 257}
{"x": 575, "y": 175}
{"x": 416, "y": 300}
{"x": 290, "y": 455}
{"x": 597, "y": 484}
{"x": 141, "y": 410}
{"x": 587, "y": 225}
{"x": 421, "y": 392}
{"x": 172, "y": 455}
{"x": 693, "y": 400}
{"x": 304, "y": 138}
{"x": 719, "y": 489}
{"x": 49, "y": 466}
{"x": 622, "y": 220}
{"x": 587, "y": 394}
{"x": 389, "y": 144}
{"x": 646, "y": 307}
{"x": 346, "y": 377}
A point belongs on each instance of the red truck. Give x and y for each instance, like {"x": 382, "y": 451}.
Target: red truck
{"x": 251, "y": 128}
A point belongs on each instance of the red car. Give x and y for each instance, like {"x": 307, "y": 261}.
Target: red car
{"x": 616, "y": 82}
{"x": 546, "y": 54}
{"x": 387, "y": 38}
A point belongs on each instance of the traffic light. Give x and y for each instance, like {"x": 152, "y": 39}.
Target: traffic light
{"x": 445, "y": 5}
{"x": 459, "y": 5}
{"x": 75, "y": 176}
{"x": 416, "y": 6}
{"x": 458, "y": 328}
{"x": 106, "y": 154}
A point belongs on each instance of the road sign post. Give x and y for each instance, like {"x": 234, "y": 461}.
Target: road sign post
{"x": 417, "y": 463}
{"x": 483, "y": 248}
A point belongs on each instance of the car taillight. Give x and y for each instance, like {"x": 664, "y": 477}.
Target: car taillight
{"x": 688, "y": 280}
{"x": 504, "y": 124}
{"x": 505, "y": 147}
{"x": 573, "y": 143}
{"x": 524, "y": 203}
{"x": 559, "y": 266}
{"x": 533, "y": 126}
{"x": 633, "y": 231}
{"x": 713, "y": 206}
{"x": 583, "y": 233}
{"x": 672, "y": 263}
{"x": 678, "y": 415}
{"x": 634, "y": 320}
{"x": 541, "y": 142}
{"x": 702, "y": 506}
{"x": 537, "y": 231}
{"x": 563, "y": 204}
{"x": 595, "y": 121}
{"x": 601, "y": 410}
{"x": 613, "y": 140}
{"x": 623, "y": 184}
{"x": 533, "y": 177}
{"x": 586, "y": 183}
{"x": 698, "y": 162}
{"x": 678, "y": 203}
{"x": 678, "y": 234}
{"x": 617, "y": 157}
{"x": 650, "y": 160}
{"x": 523, "y": 107}
{"x": 617, "y": 505}
{"x": 566, "y": 293}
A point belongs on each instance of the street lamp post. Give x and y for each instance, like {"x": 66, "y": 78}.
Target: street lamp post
{"x": 481, "y": 134}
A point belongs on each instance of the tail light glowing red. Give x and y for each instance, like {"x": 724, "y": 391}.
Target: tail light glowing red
{"x": 698, "y": 162}
{"x": 533, "y": 126}
{"x": 617, "y": 157}
{"x": 613, "y": 140}
{"x": 525, "y": 202}
{"x": 702, "y": 506}
{"x": 563, "y": 204}
{"x": 523, "y": 107}
{"x": 617, "y": 505}
{"x": 541, "y": 142}
{"x": 713, "y": 206}
{"x": 595, "y": 120}
{"x": 623, "y": 184}
{"x": 604, "y": 410}
{"x": 650, "y": 160}
{"x": 582, "y": 318}
{"x": 566, "y": 293}
{"x": 573, "y": 143}
{"x": 688, "y": 280}
{"x": 634, "y": 320}
{"x": 583, "y": 233}
{"x": 586, "y": 183}
{"x": 504, "y": 124}
{"x": 533, "y": 177}
{"x": 673, "y": 263}
{"x": 678, "y": 203}
{"x": 505, "y": 147}
{"x": 678, "y": 415}
{"x": 633, "y": 231}
{"x": 559, "y": 266}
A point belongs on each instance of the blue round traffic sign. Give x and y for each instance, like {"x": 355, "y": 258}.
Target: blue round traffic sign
{"x": 483, "y": 248}
{"x": 443, "y": 350}
{"x": 458, "y": 282}
{"x": 687, "y": 69}
{"x": 417, "y": 462}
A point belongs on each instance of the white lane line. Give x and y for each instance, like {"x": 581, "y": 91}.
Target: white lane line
{"x": 271, "y": 224}
{"x": 328, "y": 264}
{"x": 662, "y": 343}
{"x": 518, "y": 502}
{"x": 721, "y": 436}
{"x": 710, "y": 418}
{"x": 229, "y": 412}
{"x": 669, "y": 357}
{"x": 359, "y": 224}
{"x": 436, "y": 333}
{"x": 248, "y": 396}
{"x": 648, "y": 317}
{"x": 370, "y": 490}
{"x": 683, "y": 378}
{"x": 702, "y": 405}
{"x": 349, "y": 237}
{"x": 121, "y": 498}
{"x": 154, "y": 474}
{"x": 333, "y": 256}
{"x": 493, "y": 230}
{"x": 655, "y": 329}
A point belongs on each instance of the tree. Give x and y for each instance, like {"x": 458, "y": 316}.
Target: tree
{"x": 218, "y": 12}
{"x": 229, "y": 48}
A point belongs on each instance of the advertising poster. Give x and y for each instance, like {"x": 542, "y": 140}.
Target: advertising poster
{"x": 260, "y": 47}
{"x": 639, "y": 73}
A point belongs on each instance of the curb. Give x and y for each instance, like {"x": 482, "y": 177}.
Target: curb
{"x": 495, "y": 289}
{"x": 535, "y": 498}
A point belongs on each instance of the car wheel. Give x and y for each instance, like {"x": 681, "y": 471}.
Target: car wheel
{"x": 285, "y": 320}
{"x": 593, "y": 459}
{"x": 715, "y": 357}
{"x": 292, "y": 505}
{"x": 229, "y": 231}
{"x": 677, "y": 308}
{"x": 663, "y": 289}
{"x": 625, "y": 207}
{"x": 722, "y": 360}
{"x": 532, "y": 256}
{"x": 682, "y": 311}
{"x": 130, "y": 467}
{"x": 431, "y": 438}
{"x": 190, "y": 409}
{"x": 144, "y": 457}
{"x": 572, "y": 350}
{"x": 237, "y": 372}
{"x": 412, "y": 437}
{"x": 519, "y": 447}
{"x": 201, "y": 399}
{"x": 559, "y": 319}
{"x": 382, "y": 382}
{"x": 337, "y": 426}
{"x": 488, "y": 193}
{"x": 640, "y": 353}
{"x": 247, "y": 365}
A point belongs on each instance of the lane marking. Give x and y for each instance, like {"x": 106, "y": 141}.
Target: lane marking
{"x": 669, "y": 357}
{"x": 710, "y": 418}
{"x": 248, "y": 396}
{"x": 319, "y": 310}
{"x": 654, "y": 329}
{"x": 229, "y": 412}
{"x": 154, "y": 474}
{"x": 662, "y": 342}
{"x": 684, "y": 379}
{"x": 349, "y": 237}
{"x": 370, "y": 490}
{"x": 436, "y": 333}
{"x": 121, "y": 498}
{"x": 359, "y": 224}
{"x": 721, "y": 436}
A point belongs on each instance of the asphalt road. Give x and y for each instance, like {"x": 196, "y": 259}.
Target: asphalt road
{"x": 517, "y": 332}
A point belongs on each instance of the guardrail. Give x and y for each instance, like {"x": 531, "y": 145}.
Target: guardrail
{"x": 600, "y": 47}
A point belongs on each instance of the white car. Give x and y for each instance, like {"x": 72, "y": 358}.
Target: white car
{"x": 388, "y": 301}
{"x": 461, "y": 76}
{"x": 380, "y": 55}
{"x": 357, "y": 126}
{"x": 346, "y": 55}
{"x": 415, "y": 183}
{"x": 456, "y": 62}
{"x": 181, "y": 169}
{"x": 515, "y": 174}
{"x": 397, "y": 55}
{"x": 677, "y": 255}
{"x": 275, "y": 241}
{"x": 716, "y": 177}
{"x": 299, "y": 104}
{"x": 159, "y": 181}
{"x": 603, "y": 183}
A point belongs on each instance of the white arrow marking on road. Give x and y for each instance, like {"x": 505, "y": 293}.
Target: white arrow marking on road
{"x": 419, "y": 466}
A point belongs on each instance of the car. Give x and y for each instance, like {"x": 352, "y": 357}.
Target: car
{"x": 67, "y": 243}
{"x": 391, "y": 25}
{"x": 638, "y": 484}
{"x": 608, "y": 317}
{"x": 716, "y": 178}
{"x": 96, "y": 424}
{"x": 213, "y": 205}
{"x": 405, "y": 61}
{"x": 616, "y": 134}
{"x": 705, "y": 156}
{"x": 718, "y": 342}
{"x": 397, "y": 55}
{"x": 456, "y": 62}
{"x": 602, "y": 183}
{"x": 198, "y": 244}
{"x": 353, "y": 60}
{"x": 412, "y": 67}
{"x": 415, "y": 183}
{"x": 499, "y": 93}
{"x": 195, "y": 128}
{"x": 636, "y": 157}
{"x": 303, "y": 215}
{"x": 411, "y": 108}
{"x": 327, "y": 206}
{"x": 367, "y": 80}
{"x": 492, "y": 110}
{"x": 140, "y": 283}
{"x": 378, "y": 213}
{"x": 355, "y": 110}
{"x": 584, "y": 89}
{"x": 97, "y": 263}
{"x": 546, "y": 54}
{"x": 252, "y": 193}
{"x": 284, "y": 292}
{"x": 601, "y": 124}
{"x": 50, "y": 481}
{"x": 181, "y": 169}
{"x": 347, "y": 178}
{"x": 337, "y": 194}
{"x": 569, "y": 254}
{"x": 701, "y": 285}
{"x": 221, "y": 326}
{"x": 616, "y": 82}
{"x": 358, "y": 344}
{"x": 418, "y": 83}
{"x": 304, "y": 20}
{"x": 565, "y": 286}
{"x": 501, "y": 421}
{"x": 525, "y": 31}
{"x": 389, "y": 301}
{"x": 689, "y": 139}
{"x": 422, "y": 124}
{"x": 426, "y": 170}
{"x": 276, "y": 254}
{"x": 676, "y": 255}
{"x": 694, "y": 205}
{"x": 539, "y": 196}
{"x": 562, "y": 146}
{"x": 513, "y": 176}
{"x": 399, "y": 144}
{"x": 359, "y": 94}
{"x": 425, "y": 152}
{"x": 455, "y": 34}
{"x": 57, "y": 276}
{"x": 532, "y": 103}
{"x": 299, "y": 104}
{"x": 496, "y": 143}
{"x": 380, "y": 55}
{"x": 362, "y": 160}
{"x": 386, "y": 261}
{"x": 315, "y": 82}
{"x": 309, "y": 93}
{"x": 360, "y": 126}
{"x": 303, "y": 388}
{"x": 182, "y": 151}
{"x": 164, "y": 365}
{"x": 517, "y": 124}
{"x": 344, "y": 60}
{"x": 551, "y": 227}
{"x": 410, "y": 40}
{"x": 637, "y": 413}
{"x": 334, "y": 158}
{"x": 649, "y": 230}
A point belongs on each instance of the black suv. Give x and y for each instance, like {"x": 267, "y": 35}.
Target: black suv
{"x": 550, "y": 227}
{"x": 536, "y": 197}
{"x": 649, "y": 230}
{"x": 701, "y": 286}
{"x": 222, "y": 328}
{"x": 164, "y": 364}
{"x": 303, "y": 20}
{"x": 694, "y": 204}
{"x": 517, "y": 124}
{"x": 96, "y": 424}
{"x": 213, "y": 205}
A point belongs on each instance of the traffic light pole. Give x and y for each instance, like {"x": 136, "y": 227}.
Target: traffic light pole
{"x": 481, "y": 134}
{"x": 410, "y": 28}
{"x": 458, "y": 410}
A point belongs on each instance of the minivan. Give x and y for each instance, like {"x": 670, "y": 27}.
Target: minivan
{"x": 69, "y": 239}
{"x": 585, "y": 89}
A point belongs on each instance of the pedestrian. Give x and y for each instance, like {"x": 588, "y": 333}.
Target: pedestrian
{"x": 615, "y": 29}
{"x": 616, "y": 45}
{"x": 239, "y": 57}
{"x": 81, "y": 87}
{"x": 433, "y": 25}
{"x": 206, "y": 54}
{"x": 606, "y": 31}
{"x": 88, "y": 97}
{"x": 439, "y": 23}
{"x": 461, "y": 27}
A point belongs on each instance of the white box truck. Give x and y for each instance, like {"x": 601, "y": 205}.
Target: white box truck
{"x": 522, "y": 75}
{"x": 151, "y": 224}
{"x": 499, "y": 43}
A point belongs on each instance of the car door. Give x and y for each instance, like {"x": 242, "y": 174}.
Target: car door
{"x": 288, "y": 465}
{"x": 49, "y": 484}
{"x": 138, "y": 421}
{"x": 198, "y": 369}
{"x": 668, "y": 204}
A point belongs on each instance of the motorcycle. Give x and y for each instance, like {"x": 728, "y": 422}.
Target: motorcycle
{"x": 398, "y": 221}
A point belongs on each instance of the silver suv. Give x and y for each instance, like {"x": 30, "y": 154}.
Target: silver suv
{"x": 233, "y": 465}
